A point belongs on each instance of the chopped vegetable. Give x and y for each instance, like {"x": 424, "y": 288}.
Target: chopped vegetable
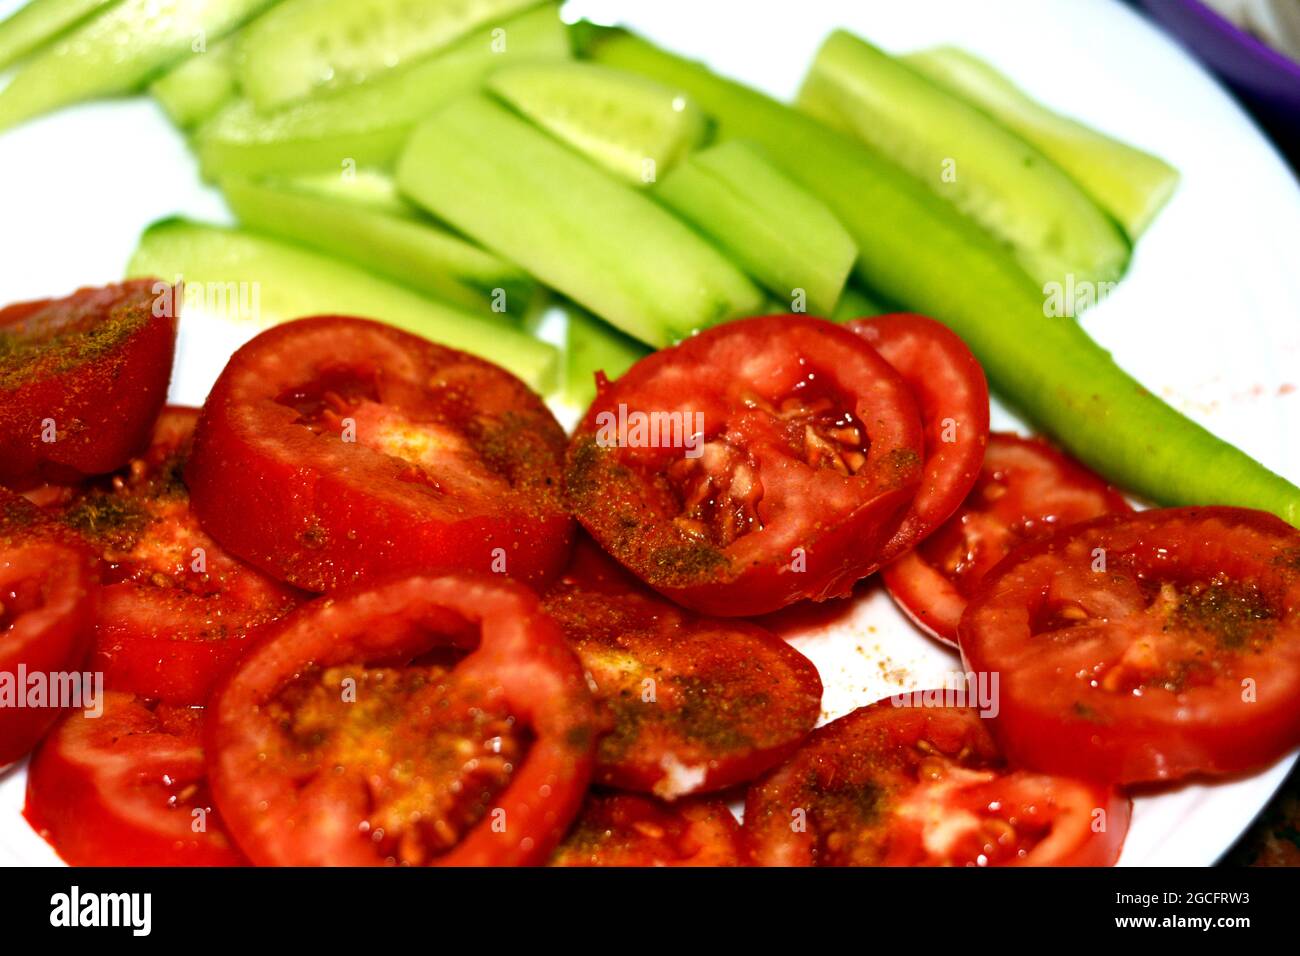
{"x": 38, "y": 22}
{"x": 592, "y": 346}
{"x": 197, "y": 87}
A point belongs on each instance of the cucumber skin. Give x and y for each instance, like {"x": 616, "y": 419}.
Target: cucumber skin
{"x": 417, "y": 254}
{"x": 38, "y": 22}
{"x": 87, "y": 63}
{"x": 1002, "y": 182}
{"x": 281, "y": 60}
{"x": 569, "y": 223}
{"x": 1133, "y": 185}
{"x": 294, "y": 282}
{"x": 770, "y": 225}
{"x": 579, "y": 103}
{"x": 592, "y": 346}
{"x": 917, "y": 250}
{"x": 194, "y": 89}
{"x": 369, "y": 124}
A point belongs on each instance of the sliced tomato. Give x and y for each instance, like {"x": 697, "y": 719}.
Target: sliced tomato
{"x": 127, "y": 787}
{"x": 755, "y": 464}
{"x": 335, "y": 449}
{"x": 48, "y": 595}
{"x": 630, "y": 830}
{"x": 1146, "y": 647}
{"x": 82, "y": 378}
{"x": 694, "y": 704}
{"x": 925, "y": 786}
{"x": 350, "y": 736}
{"x": 1026, "y": 490}
{"x": 176, "y": 609}
{"x": 952, "y": 396}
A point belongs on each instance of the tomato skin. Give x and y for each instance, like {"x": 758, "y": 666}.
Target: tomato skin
{"x": 521, "y": 661}
{"x": 96, "y": 791}
{"x": 322, "y": 513}
{"x": 891, "y": 785}
{"x": 1026, "y": 489}
{"x": 1181, "y": 658}
{"x": 811, "y": 450}
{"x": 97, "y": 363}
{"x": 48, "y": 597}
{"x": 952, "y": 396}
{"x": 620, "y": 829}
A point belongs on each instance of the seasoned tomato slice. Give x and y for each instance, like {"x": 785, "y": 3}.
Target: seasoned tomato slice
{"x": 693, "y": 704}
{"x": 127, "y": 787}
{"x": 952, "y": 397}
{"x": 755, "y": 464}
{"x": 334, "y": 449}
{"x": 82, "y": 378}
{"x": 1146, "y": 647}
{"x": 48, "y": 594}
{"x": 352, "y": 735}
{"x": 623, "y": 829}
{"x": 1026, "y": 490}
{"x": 925, "y": 786}
{"x": 176, "y": 608}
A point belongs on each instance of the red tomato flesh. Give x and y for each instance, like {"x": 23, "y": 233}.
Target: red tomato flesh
{"x": 629, "y": 830}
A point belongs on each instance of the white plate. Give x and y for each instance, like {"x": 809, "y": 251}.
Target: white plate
{"x": 1207, "y": 317}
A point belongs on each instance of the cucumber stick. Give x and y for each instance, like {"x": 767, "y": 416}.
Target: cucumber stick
{"x": 306, "y": 46}
{"x": 288, "y": 282}
{"x": 387, "y": 241}
{"x": 198, "y": 86}
{"x": 857, "y": 303}
{"x": 592, "y": 346}
{"x": 597, "y": 240}
{"x": 991, "y": 174}
{"x": 366, "y": 125}
{"x": 918, "y": 251}
{"x": 1130, "y": 184}
{"x": 117, "y": 52}
{"x": 38, "y": 22}
{"x": 780, "y": 234}
{"x": 634, "y": 127}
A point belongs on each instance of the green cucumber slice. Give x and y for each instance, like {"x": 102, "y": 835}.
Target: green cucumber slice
{"x": 38, "y": 22}
{"x": 395, "y": 244}
{"x": 287, "y": 282}
{"x": 985, "y": 170}
{"x": 857, "y": 303}
{"x": 367, "y": 125}
{"x": 771, "y": 226}
{"x": 307, "y": 46}
{"x": 117, "y": 52}
{"x": 634, "y": 127}
{"x": 599, "y": 241}
{"x": 198, "y": 86}
{"x": 1132, "y": 185}
{"x": 592, "y": 346}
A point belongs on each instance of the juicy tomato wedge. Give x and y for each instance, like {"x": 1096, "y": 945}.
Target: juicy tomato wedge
{"x": 630, "y": 830}
{"x": 925, "y": 786}
{"x": 127, "y": 787}
{"x": 176, "y": 609}
{"x": 90, "y": 372}
{"x": 1146, "y": 647}
{"x": 952, "y": 397}
{"x": 48, "y": 594}
{"x": 351, "y": 736}
{"x": 1026, "y": 490}
{"x": 335, "y": 449}
{"x": 693, "y": 704}
{"x": 753, "y": 465}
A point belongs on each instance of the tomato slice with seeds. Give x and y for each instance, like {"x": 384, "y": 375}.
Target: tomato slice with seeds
{"x": 48, "y": 594}
{"x": 952, "y": 397}
{"x": 334, "y": 449}
{"x": 925, "y": 786}
{"x": 82, "y": 378}
{"x": 352, "y": 735}
{"x": 694, "y": 704}
{"x": 755, "y": 464}
{"x": 127, "y": 787}
{"x": 623, "y": 829}
{"x": 1026, "y": 490}
{"x": 1146, "y": 647}
{"x": 176, "y": 609}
